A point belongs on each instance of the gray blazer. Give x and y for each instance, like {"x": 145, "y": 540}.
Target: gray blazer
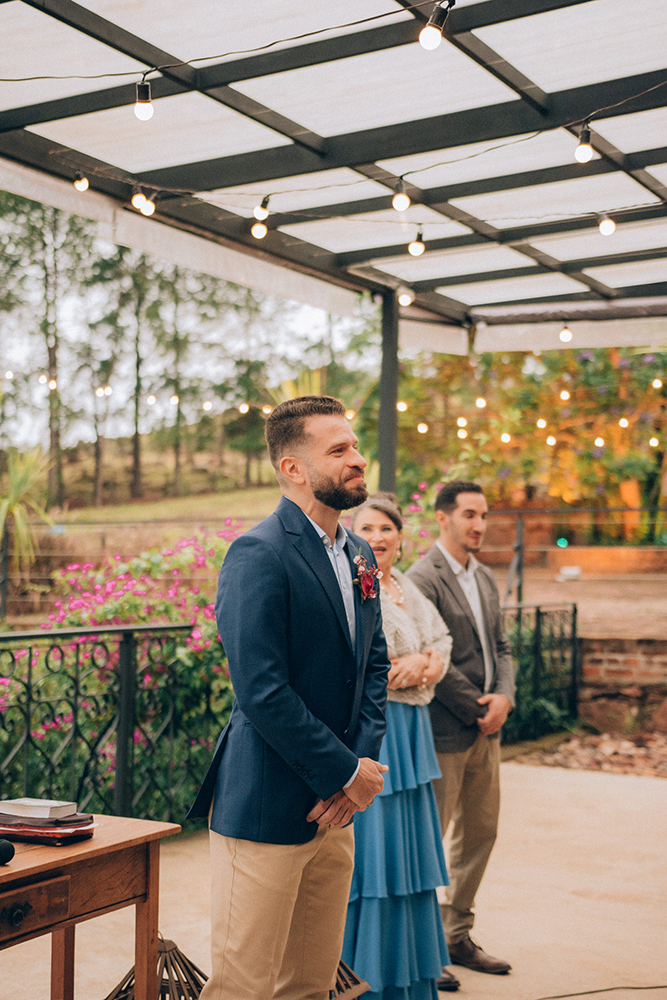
{"x": 454, "y": 710}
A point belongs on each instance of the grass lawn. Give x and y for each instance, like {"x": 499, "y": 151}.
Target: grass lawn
{"x": 254, "y": 503}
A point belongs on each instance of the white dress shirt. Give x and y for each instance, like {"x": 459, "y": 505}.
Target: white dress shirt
{"x": 468, "y": 583}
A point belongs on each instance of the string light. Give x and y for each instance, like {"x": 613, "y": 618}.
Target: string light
{"x": 623, "y": 422}
{"x": 564, "y": 395}
{"x": 99, "y": 391}
{"x": 505, "y": 438}
{"x": 416, "y": 248}
{"x": 261, "y": 211}
{"x": 148, "y": 206}
{"x": 401, "y": 200}
{"x": 143, "y": 107}
{"x": 541, "y": 423}
{"x": 42, "y": 380}
{"x": 431, "y": 35}
{"x": 243, "y": 408}
{"x": 657, "y": 383}
{"x": 266, "y": 409}
{"x": 401, "y": 406}
{"x": 584, "y": 151}
{"x": 599, "y": 442}
{"x": 206, "y": 405}
{"x": 480, "y": 402}
{"x": 422, "y": 428}
{"x": 565, "y": 335}
{"x": 9, "y": 375}
{"x": 174, "y": 400}
{"x": 81, "y": 182}
{"x": 462, "y": 433}
{"x": 259, "y": 230}
{"x": 551, "y": 440}
{"x": 151, "y": 400}
{"x": 461, "y": 422}
{"x": 349, "y": 414}
{"x": 405, "y": 296}
{"x": 138, "y": 198}
{"x": 107, "y": 390}
{"x": 53, "y": 384}
{"x": 606, "y": 225}
{"x": 654, "y": 442}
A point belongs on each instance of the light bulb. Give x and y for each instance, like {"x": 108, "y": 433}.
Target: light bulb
{"x": 623, "y": 422}
{"x": 81, "y": 183}
{"x": 9, "y": 374}
{"x": 151, "y": 400}
{"x": 148, "y": 207}
{"x": 462, "y": 433}
{"x": 266, "y": 409}
{"x": 143, "y": 107}
{"x": 564, "y": 395}
{"x": 42, "y": 380}
{"x": 206, "y": 405}
{"x": 654, "y": 442}
{"x": 422, "y": 428}
{"x": 99, "y": 391}
{"x": 261, "y": 211}
{"x": 349, "y": 414}
{"x": 565, "y": 335}
{"x": 541, "y": 423}
{"x": 461, "y": 421}
{"x": 657, "y": 383}
{"x": 405, "y": 296}
{"x": 107, "y": 390}
{"x": 173, "y": 400}
{"x": 259, "y": 230}
{"x": 400, "y": 201}
{"x": 599, "y": 442}
{"x": 480, "y": 402}
{"x": 505, "y": 438}
{"x": 243, "y": 408}
{"x": 416, "y": 248}
{"x": 606, "y": 225}
{"x": 401, "y": 406}
{"x": 138, "y": 199}
{"x": 431, "y": 35}
{"x": 551, "y": 440}
{"x": 584, "y": 151}
{"x": 53, "y": 384}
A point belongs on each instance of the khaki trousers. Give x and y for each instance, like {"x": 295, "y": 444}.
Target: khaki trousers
{"x": 278, "y": 916}
{"x": 468, "y": 794}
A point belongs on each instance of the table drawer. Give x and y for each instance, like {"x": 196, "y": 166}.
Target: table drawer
{"x": 25, "y": 910}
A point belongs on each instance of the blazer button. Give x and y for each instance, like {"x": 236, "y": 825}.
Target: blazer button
{"x": 345, "y": 732}
{"x": 349, "y": 684}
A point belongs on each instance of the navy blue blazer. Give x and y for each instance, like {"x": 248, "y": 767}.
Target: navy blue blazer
{"x": 309, "y": 702}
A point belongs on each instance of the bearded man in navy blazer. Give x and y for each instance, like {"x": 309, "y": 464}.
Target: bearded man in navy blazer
{"x": 308, "y": 661}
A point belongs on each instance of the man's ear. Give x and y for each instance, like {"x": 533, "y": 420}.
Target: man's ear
{"x": 441, "y": 518}
{"x": 291, "y": 468}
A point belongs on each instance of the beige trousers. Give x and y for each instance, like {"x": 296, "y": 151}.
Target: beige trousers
{"x": 468, "y": 794}
{"x": 278, "y": 916}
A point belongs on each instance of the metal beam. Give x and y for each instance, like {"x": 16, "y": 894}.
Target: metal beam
{"x": 388, "y": 416}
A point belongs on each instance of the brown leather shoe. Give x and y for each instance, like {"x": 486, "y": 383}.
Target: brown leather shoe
{"x": 469, "y": 954}
{"x": 447, "y": 982}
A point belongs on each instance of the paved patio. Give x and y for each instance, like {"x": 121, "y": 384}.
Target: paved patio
{"x": 574, "y": 897}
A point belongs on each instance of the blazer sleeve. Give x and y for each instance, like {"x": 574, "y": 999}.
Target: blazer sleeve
{"x": 504, "y": 677}
{"x": 372, "y": 723}
{"x": 252, "y": 616}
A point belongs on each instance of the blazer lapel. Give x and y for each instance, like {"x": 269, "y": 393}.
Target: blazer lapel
{"x": 360, "y": 610}
{"x": 487, "y": 611}
{"x": 450, "y": 579}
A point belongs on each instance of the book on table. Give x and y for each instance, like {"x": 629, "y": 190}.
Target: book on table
{"x": 65, "y": 830}
{"x": 38, "y": 808}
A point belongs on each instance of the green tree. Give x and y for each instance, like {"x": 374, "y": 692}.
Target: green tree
{"x": 22, "y": 498}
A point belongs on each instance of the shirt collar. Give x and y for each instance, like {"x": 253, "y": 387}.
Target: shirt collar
{"x": 340, "y": 539}
{"x": 455, "y": 565}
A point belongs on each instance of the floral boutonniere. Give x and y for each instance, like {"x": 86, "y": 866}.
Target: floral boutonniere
{"x": 366, "y": 577}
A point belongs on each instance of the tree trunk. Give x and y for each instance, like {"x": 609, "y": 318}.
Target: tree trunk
{"x": 136, "y": 485}
{"x": 4, "y": 571}
{"x": 99, "y": 449}
{"x": 177, "y": 451}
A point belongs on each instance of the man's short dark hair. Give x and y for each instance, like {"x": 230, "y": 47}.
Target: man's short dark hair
{"x": 446, "y": 498}
{"x": 284, "y": 428}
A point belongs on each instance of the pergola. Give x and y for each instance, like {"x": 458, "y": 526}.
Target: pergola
{"x": 326, "y": 109}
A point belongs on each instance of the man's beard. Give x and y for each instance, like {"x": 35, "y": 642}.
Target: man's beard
{"x": 336, "y": 495}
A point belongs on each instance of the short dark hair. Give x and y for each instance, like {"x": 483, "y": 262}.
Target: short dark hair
{"x": 446, "y": 498}
{"x": 385, "y": 503}
{"x": 284, "y": 429}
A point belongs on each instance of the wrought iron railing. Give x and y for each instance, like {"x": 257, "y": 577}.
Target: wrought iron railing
{"x": 106, "y": 716}
{"x": 545, "y": 649}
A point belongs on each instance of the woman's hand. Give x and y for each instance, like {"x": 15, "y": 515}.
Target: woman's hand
{"x": 407, "y": 671}
{"x": 435, "y": 669}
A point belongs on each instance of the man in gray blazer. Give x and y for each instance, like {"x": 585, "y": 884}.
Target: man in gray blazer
{"x": 470, "y": 706}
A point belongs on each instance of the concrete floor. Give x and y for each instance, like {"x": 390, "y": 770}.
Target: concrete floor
{"x": 575, "y": 897}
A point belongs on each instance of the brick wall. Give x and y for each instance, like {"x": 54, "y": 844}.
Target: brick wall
{"x": 624, "y": 684}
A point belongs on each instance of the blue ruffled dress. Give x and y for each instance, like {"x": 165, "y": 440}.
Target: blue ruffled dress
{"x": 393, "y": 935}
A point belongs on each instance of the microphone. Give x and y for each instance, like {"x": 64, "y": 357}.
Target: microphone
{"x": 6, "y": 851}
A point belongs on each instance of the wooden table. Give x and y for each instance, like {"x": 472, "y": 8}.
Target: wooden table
{"x": 48, "y": 890}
